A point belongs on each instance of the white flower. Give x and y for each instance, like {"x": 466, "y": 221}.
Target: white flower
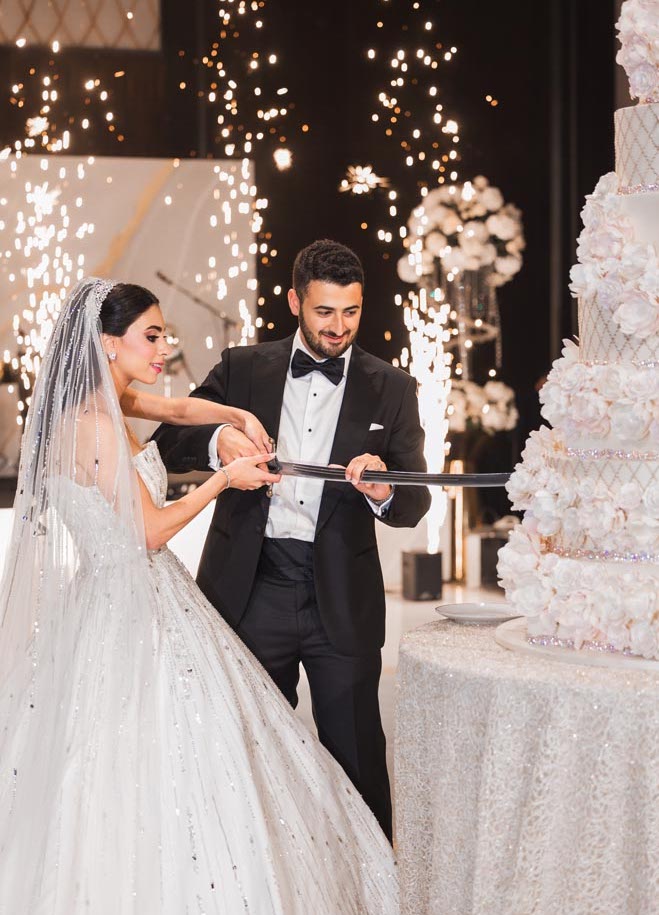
{"x": 637, "y": 315}
{"x": 454, "y": 259}
{"x": 491, "y": 198}
{"x": 629, "y": 496}
{"x": 503, "y": 226}
{"x": 407, "y": 270}
{"x": 515, "y": 245}
{"x": 643, "y": 81}
{"x": 477, "y": 229}
{"x": 642, "y": 384}
{"x": 507, "y": 266}
{"x": 643, "y": 639}
{"x": 607, "y": 184}
{"x": 435, "y": 243}
{"x": 471, "y": 246}
{"x": 651, "y": 499}
{"x": 480, "y": 182}
{"x": 488, "y": 255}
{"x": 450, "y": 222}
{"x": 629, "y": 424}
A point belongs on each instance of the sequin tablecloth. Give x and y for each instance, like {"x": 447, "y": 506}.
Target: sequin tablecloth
{"x": 523, "y": 786}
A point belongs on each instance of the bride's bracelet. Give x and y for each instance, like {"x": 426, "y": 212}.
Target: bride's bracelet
{"x": 226, "y": 474}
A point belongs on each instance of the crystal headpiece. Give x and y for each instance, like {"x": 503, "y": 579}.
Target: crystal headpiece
{"x": 97, "y": 295}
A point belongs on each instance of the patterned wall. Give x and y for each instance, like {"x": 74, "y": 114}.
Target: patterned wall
{"x": 120, "y": 24}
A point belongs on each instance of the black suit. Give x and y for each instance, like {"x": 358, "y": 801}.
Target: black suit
{"x": 346, "y": 587}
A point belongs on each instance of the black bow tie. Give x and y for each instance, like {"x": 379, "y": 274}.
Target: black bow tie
{"x": 331, "y": 368}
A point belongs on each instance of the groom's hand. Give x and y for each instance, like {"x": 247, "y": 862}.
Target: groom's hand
{"x": 232, "y": 444}
{"x": 378, "y": 492}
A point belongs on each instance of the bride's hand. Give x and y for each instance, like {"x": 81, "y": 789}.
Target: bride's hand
{"x": 255, "y": 432}
{"x": 251, "y": 472}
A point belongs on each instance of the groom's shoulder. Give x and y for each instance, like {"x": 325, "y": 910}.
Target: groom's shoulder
{"x": 247, "y": 353}
{"x": 392, "y": 374}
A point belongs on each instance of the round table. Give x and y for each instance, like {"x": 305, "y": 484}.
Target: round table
{"x": 523, "y": 786}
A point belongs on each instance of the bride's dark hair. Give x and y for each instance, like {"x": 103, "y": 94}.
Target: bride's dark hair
{"x": 123, "y": 304}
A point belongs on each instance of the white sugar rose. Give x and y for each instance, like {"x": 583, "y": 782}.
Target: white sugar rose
{"x": 583, "y": 280}
{"x": 574, "y": 377}
{"x": 629, "y": 424}
{"x": 629, "y": 496}
{"x": 608, "y": 184}
{"x": 651, "y": 499}
{"x": 637, "y": 316}
{"x": 643, "y": 639}
{"x": 642, "y": 384}
{"x": 610, "y": 292}
{"x": 610, "y": 381}
{"x": 589, "y": 412}
{"x": 642, "y": 602}
{"x": 643, "y": 81}
{"x": 566, "y": 576}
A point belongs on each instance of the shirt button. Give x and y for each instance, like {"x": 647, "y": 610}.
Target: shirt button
{"x": 309, "y": 430}
{"x": 301, "y": 502}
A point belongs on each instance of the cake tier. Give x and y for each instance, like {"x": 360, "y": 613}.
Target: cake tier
{"x": 637, "y": 146}
{"x": 612, "y": 602}
{"x": 611, "y": 407}
{"x": 602, "y": 341}
{"x": 617, "y": 277}
{"x": 589, "y": 504}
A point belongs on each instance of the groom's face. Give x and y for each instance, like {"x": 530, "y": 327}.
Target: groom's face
{"x": 328, "y": 316}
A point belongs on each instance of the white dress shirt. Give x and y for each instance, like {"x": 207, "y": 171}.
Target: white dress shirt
{"x": 309, "y": 415}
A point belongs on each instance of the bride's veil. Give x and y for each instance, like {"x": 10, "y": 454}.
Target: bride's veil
{"x": 78, "y": 644}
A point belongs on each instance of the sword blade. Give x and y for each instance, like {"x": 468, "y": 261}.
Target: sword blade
{"x": 392, "y": 477}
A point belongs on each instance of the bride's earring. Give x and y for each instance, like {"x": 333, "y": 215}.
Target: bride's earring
{"x": 112, "y": 356}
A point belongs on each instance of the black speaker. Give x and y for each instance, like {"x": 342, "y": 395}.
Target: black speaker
{"x": 422, "y": 576}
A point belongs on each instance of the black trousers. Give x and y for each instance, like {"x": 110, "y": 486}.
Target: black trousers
{"x": 282, "y": 627}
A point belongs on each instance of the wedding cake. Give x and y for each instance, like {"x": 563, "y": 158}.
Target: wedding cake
{"x": 583, "y": 566}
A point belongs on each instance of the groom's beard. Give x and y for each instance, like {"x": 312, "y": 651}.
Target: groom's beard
{"x": 318, "y": 343}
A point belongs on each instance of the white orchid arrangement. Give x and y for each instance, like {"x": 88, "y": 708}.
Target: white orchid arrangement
{"x": 638, "y": 29}
{"x": 490, "y": 407}
{"x": 466, "y": 227}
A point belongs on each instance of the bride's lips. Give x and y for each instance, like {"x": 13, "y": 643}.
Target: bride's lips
{"x": 156, "y": 366}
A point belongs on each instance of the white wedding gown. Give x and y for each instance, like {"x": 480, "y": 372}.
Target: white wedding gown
{"x": 237, "y": 807}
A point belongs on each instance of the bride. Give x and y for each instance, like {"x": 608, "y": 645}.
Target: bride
{"x": 148, "y": 765}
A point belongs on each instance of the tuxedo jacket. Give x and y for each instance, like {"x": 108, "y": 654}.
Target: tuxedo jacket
{"x": 348, "y": 577}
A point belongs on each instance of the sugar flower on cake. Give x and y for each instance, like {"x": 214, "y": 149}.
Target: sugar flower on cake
{"x": 613, "y": 267}
{"x": 638, "y": 28}
{"x": 464, "y": 227}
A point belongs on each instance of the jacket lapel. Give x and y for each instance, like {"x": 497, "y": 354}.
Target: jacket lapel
{"x": 270, "y": 368}
{"x": 360, "y": 400}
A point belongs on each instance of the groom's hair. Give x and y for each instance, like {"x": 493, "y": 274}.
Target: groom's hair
{"x": 327, "y": 261}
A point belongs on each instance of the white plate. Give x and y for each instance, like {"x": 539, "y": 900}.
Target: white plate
{"x": 482, "y": 612}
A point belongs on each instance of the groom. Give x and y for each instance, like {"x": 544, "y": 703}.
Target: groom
{"x": 297, "y": 574}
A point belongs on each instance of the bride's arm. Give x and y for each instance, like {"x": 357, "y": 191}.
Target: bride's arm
{"x": 161, "y": 524}
{"x": 193, "y": 411}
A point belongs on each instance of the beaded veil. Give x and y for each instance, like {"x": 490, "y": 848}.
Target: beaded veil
{"x": 74, "y": 604}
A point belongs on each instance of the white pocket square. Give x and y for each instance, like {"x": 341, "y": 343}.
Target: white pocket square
{"x": 375, "y": 426}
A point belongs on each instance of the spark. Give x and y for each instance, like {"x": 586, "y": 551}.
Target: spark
{"x": 362, "y": 179}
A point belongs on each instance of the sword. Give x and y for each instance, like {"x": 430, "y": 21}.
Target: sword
{"x": 392, "y": 477}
